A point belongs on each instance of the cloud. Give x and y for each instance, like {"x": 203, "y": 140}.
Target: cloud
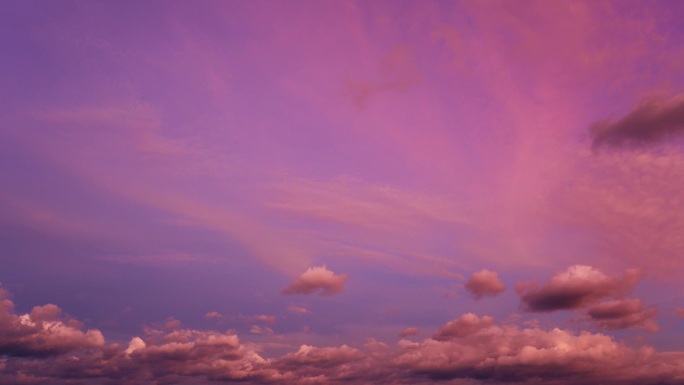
{"x": 679, "y": 312}
{"x": 651, "y": 121}
{"x": 42, "y": 332}
{"x": 471, "y": 348}
{"x": 624, "y": 314}
{"x": 484, "y": 283}
{"x": 213, "y": 314}
{"x": 265, "y": 318}
{"x": 503, "y": 354}
{"x": 321, "y": 357}
{"x": 576, "y": 287}
{"x": 300, "y": 310}
{"x": 317, "y": 279}
{"x": 256, "y": 329}
{"x": 465, "y": 325}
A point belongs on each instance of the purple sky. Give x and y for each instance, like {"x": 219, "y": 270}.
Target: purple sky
{"x": 321, "y": 192}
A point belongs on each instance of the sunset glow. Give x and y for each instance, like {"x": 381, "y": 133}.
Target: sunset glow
{"x": 341, "y": 192}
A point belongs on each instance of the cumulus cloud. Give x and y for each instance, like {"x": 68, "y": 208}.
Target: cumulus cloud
{"x": 576, "y": 287}
{"x": 321, "y": 357}
{"x": 41, "y": 332}
{"x": 624, "y": 314}
{"x": 494, "y": 354}
{"x": 650, "y": 121}
{"x": 484, "y": 283}
{"x": 471, "y": 348}
{"x": 317, "y": 279}
{"x": 463, "y": 326}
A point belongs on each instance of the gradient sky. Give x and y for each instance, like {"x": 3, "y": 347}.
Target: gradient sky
{"x": 321, "y": 192}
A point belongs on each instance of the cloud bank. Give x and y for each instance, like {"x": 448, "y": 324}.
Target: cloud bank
{"x": 471, "y": 347}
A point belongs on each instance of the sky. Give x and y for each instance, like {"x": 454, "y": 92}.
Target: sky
{"x": 336, "y": 191}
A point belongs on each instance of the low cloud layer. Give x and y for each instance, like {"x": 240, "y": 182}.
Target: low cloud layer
{"x": 471, "y": 348}
{"x": 649, "y": 122}
{"x": 576, "y": 287}
{"x": 317, "y": 280}
{"x": 484, "y": 283}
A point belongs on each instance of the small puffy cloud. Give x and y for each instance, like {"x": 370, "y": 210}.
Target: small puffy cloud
{"x": 256, "y": 329}
{"x": 624, "y": 314}
{"x": 214, "y": 315}
{"x": 465, "y": 325}
{"x": 412, "y": 331}
{"x": 135, "y": 344}
{"x": 650, "y": 121}
{"x": 300, "y": 310}
{"x": 317, "y": 280}
{"x": 265, "y": 318}
{"x": 484, "y": 283}
{"x": 172, "y": 323}
{"x": 42, "y": 332}
{"x": 576, "y": 287}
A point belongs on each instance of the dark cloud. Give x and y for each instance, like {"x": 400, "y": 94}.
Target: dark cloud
{"x": 649, "y": 122}
{"x": 576, "y": 287}
{"x": 484, "y": 283}
{"x": 624, "y": 314}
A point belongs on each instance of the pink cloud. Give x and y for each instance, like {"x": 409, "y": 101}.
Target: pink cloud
{"x": 321, "y": 357}
{"x": 256, "y": 329}
{"x": 465, "y": 325}
{"x": 576, "y": 287}
{"x": 214, "y": 315}
{"x": 42, "y": 332}
{"x": 484, "y": 283}
{"x": 624, "y": 314}
{"x": 265, "y": 318}
{"x": 317, "y": 279}
{"x": 300, "y": 310}
{"x": 509, "y": 353}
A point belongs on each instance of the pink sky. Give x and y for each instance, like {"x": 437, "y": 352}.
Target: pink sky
{"x": 321, "y": 192}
